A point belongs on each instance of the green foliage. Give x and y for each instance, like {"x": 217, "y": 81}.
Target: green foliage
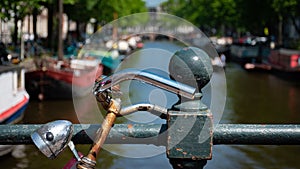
{"x": 119, "y": 8}
{"x": 103, "y": 11}
{"x": 17, "y": 8}
{"x": 256, "y": 14}
{"x": 209, "y": 13}
{"x": 78, "y": 11}
{"x": 21, "y": 8}
{"x": 247, "y": 15}
{"x": 286, "y": 6}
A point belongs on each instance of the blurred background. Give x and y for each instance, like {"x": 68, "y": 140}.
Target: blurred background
{"x": 61, "y": 53}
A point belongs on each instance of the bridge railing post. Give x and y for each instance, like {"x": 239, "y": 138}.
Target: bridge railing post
{"x": 190, "y": 135}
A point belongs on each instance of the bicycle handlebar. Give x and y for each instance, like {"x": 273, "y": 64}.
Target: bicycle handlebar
{"x": 146, "y": 77}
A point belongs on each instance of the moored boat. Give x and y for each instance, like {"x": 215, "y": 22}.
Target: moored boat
{"x": 285, "y": 63}
{"x": 14, "y": 98}
{"x": 282, "y": 62}
{"x": 61, "y": 80}
{"x": 285, "y": 59}
{"x": 248, "y": 53}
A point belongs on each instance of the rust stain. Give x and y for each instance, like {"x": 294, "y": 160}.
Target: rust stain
{"x": 179, "y": 149}
{"x": 129, "y": 126}
{"x": 114, "y": 107}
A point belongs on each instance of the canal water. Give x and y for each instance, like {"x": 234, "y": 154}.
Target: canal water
{"x": 252, "y": 97}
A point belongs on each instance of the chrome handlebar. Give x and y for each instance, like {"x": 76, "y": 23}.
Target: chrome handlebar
{"x": 146, "y": 77}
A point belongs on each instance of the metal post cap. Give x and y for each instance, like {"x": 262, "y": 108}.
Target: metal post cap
{"x": 191, "y": 64}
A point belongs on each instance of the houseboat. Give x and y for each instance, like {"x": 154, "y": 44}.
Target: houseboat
{"x": 248, "y": 53}
{"x": 285, "y": 63}
{"x": 62, "y": 80}
{"x": 282, "y": 62}
{"x": 13, "y": 98}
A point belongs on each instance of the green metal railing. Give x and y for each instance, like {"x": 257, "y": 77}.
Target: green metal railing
{"x": 260, "y": 134}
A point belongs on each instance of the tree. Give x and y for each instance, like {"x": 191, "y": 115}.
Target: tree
{"x": 286, "y": 9}
{"x": 81, "y": 16}
{"x": 16, "y": 9}
{"x": 106, "y": 11}
{"x": 205, "y": 14}
{"x": 103, "y": 11}
{"x": 54, "y": 20}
